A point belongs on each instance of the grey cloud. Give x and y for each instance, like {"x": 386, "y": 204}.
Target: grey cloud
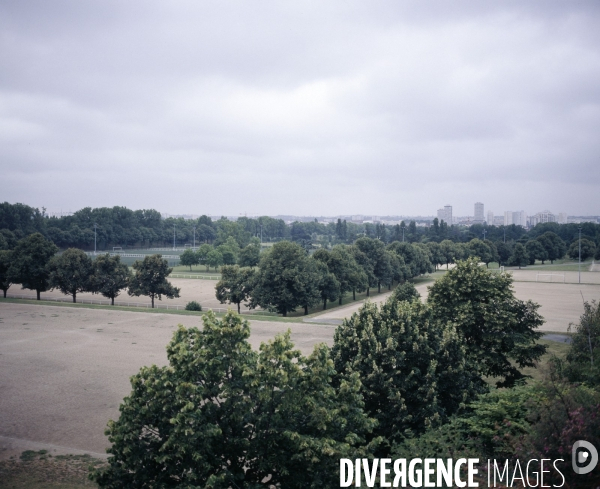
{"x": 302, "y": 107}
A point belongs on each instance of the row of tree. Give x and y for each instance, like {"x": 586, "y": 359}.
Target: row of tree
{"x": 222, "y": 415}
{"x": 119, "y": 226}
{"x": 36, "y": 264}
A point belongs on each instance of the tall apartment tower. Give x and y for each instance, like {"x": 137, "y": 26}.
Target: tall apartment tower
{"x": 478, "y": 216}
{"x": 448, "y": 209}
{"x": 490, "y": 218}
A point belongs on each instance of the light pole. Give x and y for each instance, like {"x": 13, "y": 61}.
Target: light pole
{"x": 579, "y": 254}
{"x": 173, "y": 236}
{"x": 484, "y": 231}
{"x": 504, "y": 229}
{"x": 94, "y": 238}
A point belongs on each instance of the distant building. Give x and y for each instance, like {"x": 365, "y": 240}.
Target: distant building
{"x": 478, "y": 216}
{"x": 490, "y": 218}
{"x": 542, "y": 217}
{"x": 562, "y": 218}
{"x": 518, "y": 218}
{"x": 445, "y": 214}
{"x": 448, "y": 209}
{"x": 498, "y": 221}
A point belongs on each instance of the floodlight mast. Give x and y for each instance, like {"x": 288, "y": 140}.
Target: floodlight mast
{"x": 579, "y": 254}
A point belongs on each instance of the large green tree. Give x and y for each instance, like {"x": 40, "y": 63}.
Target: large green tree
{"x": 329, "y": 287}
{"x": 5, "y": 260}
{"x": 536, "y": 251}
{"x": 341, "y": 262}
{"x": 480, "y": 250}
{"x": 71, "y": 272}
{"x": 221, "y": 416}
{"x": 29, "y": 266}
{"x": 110, "y": 276}
{"x": 519, "y": 256}
{"x": 553, "y": 244}
{"x": 250, "y": 255}
{"x": 287, "y": 279}
{"x": 500, "y": 332}
{"x": 150, "y": 278}
{"x": 584, "y": 354}
{"x": 235, "y": 285}
{"x": 380, "y": 259}
{"x": 189, "y": 258}
{"x": 588, "y": 249}
{"x": 448, "y": 251}
{"x": 412, "y": 366}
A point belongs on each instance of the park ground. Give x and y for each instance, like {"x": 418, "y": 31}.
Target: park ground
{"x": 64, "y": 370}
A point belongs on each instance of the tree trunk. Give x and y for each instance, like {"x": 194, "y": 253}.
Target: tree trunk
{"x": 340, "y": 301}
{"x": 152, "y": 297}
{"x": 5, "y": 290}
{"x": 284, "y": 313}
{"x": 238, "y": 304}
{"x": 368, "y": 289}
{"x": 353, "y": 294}
{"x": 306, "y": 310}
{"x": 324, "y": 304}
{"x": 379, "y": 287}
{"x": 38, "y": 294}
{"x": 389, "y": 286}
{"x": 74, "y": 297}
{"x": 112, "y": 301}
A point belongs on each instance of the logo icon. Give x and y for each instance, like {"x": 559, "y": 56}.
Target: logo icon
{"x": 584, "y": 457}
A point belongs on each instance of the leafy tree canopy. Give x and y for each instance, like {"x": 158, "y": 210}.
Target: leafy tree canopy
{"x": 71, "y": 272}
{"x": 499, "y": 331}
{"x": 29, "y": 266}
{"x": 222, "y": 415}
{"x": 150, "y": 278}
{"x": 110, "y": 276}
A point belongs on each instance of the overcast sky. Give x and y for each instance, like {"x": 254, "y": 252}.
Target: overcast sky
{"x": 300, "y": 107}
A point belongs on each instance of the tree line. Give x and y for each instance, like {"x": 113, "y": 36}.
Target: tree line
{"x": 35, "y": 264}
{"x": 119, "y": 226}
{"x": 404, "y": 379}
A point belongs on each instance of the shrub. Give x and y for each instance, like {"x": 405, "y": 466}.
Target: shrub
{"x": 193, "y": 306}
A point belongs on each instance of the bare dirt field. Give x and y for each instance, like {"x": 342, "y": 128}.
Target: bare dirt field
{"x": 64, "y": 371}
{"x": 560, "y": 304}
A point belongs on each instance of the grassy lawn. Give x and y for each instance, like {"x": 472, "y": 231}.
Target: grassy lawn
{"x": 259, "y": 316}
{"x": 554, "y": 348}
{"x": 39, "y": 470}
{"x": 198, "y": 269}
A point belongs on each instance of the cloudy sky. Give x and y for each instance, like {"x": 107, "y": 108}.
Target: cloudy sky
{"x": 301, "y": 107}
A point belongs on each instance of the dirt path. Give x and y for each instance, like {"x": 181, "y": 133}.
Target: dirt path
{"x": 64, "y": 371}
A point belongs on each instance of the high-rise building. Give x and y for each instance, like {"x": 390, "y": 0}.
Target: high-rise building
{"x": 490, "y": 218}
{"x": 448, "y": 209}
{"x": 518, "y": 218}
{"x": 445, "y": 214}
{"x": 562, "y": 218}
{"x": 540, "y": 217}
{"x": 478, "y": 216}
